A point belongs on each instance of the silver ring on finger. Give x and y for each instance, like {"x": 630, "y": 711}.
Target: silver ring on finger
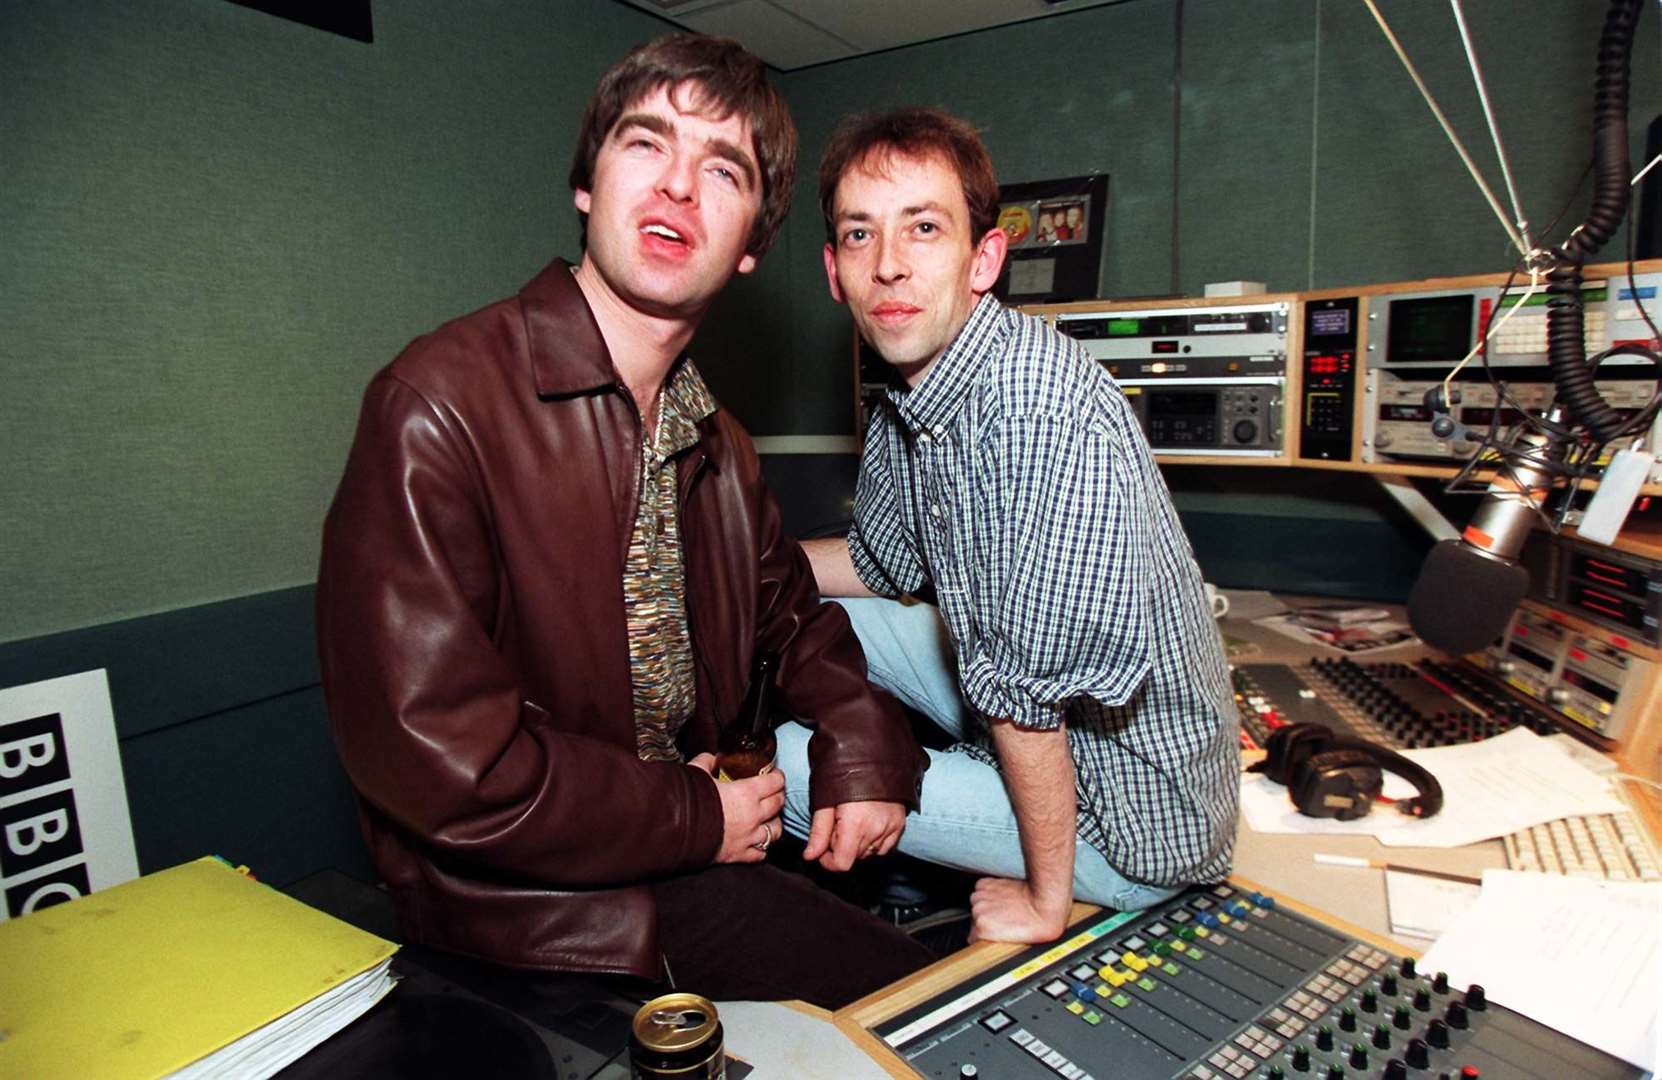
{"x": 767, "y": 838}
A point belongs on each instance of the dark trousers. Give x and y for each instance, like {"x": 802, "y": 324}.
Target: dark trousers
{"x": 758, "y": 933}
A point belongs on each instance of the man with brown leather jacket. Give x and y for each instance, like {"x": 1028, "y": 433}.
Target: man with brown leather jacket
{"x": 545, "y": 573}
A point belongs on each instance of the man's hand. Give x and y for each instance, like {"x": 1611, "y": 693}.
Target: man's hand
{"x": 1005, "y": 910}
{"x": 854, "y": 830}
{"x": 749, "y": 811}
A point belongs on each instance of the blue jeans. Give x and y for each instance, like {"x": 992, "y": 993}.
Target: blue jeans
{"x": 964, "y": 819}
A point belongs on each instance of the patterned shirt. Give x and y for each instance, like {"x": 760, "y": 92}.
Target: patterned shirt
{"x": 1016, "y": 479}
{"x": 654, "y": 577}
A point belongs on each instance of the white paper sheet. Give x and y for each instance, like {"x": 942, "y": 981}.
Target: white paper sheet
{"x": 1490, "y": 788}
{"x": 1425, "y": 907}
{"x": 1604, "y": 936}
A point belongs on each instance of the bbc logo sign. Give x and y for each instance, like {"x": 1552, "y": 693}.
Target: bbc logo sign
{"x": 41, "y": 830}
{"x": 64, "y": 830}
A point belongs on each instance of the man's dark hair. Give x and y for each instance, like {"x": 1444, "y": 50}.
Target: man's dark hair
{"x": 722, "y": 79}
{"x": 872, "y": 139}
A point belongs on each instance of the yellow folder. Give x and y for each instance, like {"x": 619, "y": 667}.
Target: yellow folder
{"x": 142, "y": 979}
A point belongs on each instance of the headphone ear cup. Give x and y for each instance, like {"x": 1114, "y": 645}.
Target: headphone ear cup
{"x": 1288, "y": 747}
{"x": 1341, "y": 784}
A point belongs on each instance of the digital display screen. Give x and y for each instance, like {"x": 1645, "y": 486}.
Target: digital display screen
{"x": 1124, "y": 327}
{"x": 1434, "y": 328}
{"x": 1587, "y": 683}
{"x": 1405, "y": 412}
{"x": 1529, "y": 656}
{"x": 1331, "y": 321}
{"x": 1172, "y": 405}
{"x": 1163, "y": 348}
{"x": 1483, "y": 417}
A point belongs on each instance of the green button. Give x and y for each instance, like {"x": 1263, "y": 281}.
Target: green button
{"x": 1147, "y": 983}
{"x": 1092, "y": 1017}
{"x": 1187, "y": 933}
{"x": 1171, "y": 969}
{"x": 1119, "y": 1001}
{"x": 1162, "y": 948}
{"x": 1196, "y": 954}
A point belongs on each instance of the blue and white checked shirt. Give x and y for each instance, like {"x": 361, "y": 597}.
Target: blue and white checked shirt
{"x": 1016, "y": 479}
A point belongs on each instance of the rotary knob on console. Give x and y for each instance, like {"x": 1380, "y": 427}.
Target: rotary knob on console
{"x": 1436, "y": 1033}
{"x": 1324, "y": 1039}
{"x": 1475, "y": 998}
{"x": 1456, "y": 1014}
{"x": 1396, "y": 1070}
{"x": 1301, "y": 1059}
{"x": 1419, "y": 1056}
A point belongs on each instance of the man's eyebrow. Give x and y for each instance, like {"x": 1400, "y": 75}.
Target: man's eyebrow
{"x": 655, "y": 124}
{"x": 733, "y": 153}
{"x": 852, "y": 215}
{"x": 926, "y": 208}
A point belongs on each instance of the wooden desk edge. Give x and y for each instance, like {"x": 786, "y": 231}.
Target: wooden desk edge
{"x": 855, "y": 1020}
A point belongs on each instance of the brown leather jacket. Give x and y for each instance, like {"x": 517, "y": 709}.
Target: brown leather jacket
{"x": 475, "y": 665}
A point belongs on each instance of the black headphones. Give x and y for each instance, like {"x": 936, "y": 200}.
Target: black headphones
{"x": 1333, "y": 776}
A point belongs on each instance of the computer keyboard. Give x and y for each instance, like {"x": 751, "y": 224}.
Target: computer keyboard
{"x": 1612, "y": 846}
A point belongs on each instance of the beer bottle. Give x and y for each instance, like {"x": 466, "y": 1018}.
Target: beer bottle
{"x": 747, "y": 745}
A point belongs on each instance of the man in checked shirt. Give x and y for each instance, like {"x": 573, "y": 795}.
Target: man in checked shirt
{"x": 1073, "y": 653}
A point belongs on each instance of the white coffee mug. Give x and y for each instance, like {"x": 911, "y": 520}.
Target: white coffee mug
{"x": 1217, "y": 601}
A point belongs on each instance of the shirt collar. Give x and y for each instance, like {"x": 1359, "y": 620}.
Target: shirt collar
{"x": 686, "y": 401}
{"x": 932, "y": 404}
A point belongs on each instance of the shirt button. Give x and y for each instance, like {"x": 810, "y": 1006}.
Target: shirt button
{"x": 925, "y": 437}
{"x": 935, "y": 509}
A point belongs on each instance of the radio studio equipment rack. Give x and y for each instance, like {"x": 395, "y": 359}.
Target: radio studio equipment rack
{"x": 1219, "y": 983}
{"x": 1336, "y": 378}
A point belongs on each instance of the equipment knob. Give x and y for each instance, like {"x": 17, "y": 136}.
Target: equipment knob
{"x": 1419, "y": 1056}
{"x": 1382, "y": 438}
{"x": 1370, "y": 1000}
{"x": 1347, "y": 1019}
{"x": 1358, "y": 1056}
{"x": 1407, "y": 967}
{"x": 1401, "y": 1018}
{"x": 1276, "y": 1073}
{"x": 1388, "y": 986}
{"x": 1245, "y": 431}
{"x": 968, "y": 1072}
{"x": 1324, "y": 1039}
{"x": 1505, "y": 667}
{"x": 1436, "y": 1033}
{"x": 1457, "y": 1016}
{"x": 1382, "y": 1037}
{"x": 1396, "y": 1070}
{"x": 1557, "y": 696}
{"x": 1422, "y": 999}
{"x": 1301, "y": 1059}
{"x": 1335, "y": 1072}
{"x": 1469, "y": 1072}
{"x": 1439, "y": 982}
{"x": 1476, "y": 998}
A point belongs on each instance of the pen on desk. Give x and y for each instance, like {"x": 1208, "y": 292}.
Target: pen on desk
{"x": 1376, "y": 864}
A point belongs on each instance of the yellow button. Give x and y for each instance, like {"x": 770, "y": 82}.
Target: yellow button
{"x": 1103, "y": 990}
{"x": 1075, "y": 1008}
{"x": 1135, "y": 962}
{"x": 1224, "y": 919}
{"x": 1201, "y": 931}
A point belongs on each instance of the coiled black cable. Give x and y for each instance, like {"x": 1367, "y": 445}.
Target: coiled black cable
{"x": 1566, "y": 347}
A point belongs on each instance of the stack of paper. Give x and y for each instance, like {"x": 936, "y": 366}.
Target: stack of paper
{"x": 1525, "y": 927}
{"x": 195, "y": 971}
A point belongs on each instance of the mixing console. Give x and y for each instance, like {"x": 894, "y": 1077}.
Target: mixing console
{"x": 1218, "y": 983}
{"x": 1399, "y": 706}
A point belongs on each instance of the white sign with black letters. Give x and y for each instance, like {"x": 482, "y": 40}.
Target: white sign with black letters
{"x": 64, "y": 826}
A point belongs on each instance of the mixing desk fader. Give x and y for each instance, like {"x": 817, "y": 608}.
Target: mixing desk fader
{"x": 1400, "y": 706}
{"x": 1222, "y": 983}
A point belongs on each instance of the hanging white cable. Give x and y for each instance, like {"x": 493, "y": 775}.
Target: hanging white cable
{"x": 1535, "y": 286}
{"x": 1640, "y": 175}
{"x": 1471, "y": 167}
{"x": 1494, "y": 128}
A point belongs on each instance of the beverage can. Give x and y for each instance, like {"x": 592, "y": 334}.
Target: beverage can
{"x": 677, "y": 1037}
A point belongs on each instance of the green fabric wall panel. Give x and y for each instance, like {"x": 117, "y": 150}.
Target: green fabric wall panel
{"x": 218, "y": 223}
{"x": 1243, "y": 193}
{"x": 1392, "y": 200}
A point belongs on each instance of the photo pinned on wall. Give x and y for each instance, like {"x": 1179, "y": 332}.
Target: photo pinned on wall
{"x": 1055, "y": 230}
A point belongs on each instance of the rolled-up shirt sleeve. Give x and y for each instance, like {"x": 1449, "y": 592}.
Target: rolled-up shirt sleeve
{"x": 1059, "y": 566}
